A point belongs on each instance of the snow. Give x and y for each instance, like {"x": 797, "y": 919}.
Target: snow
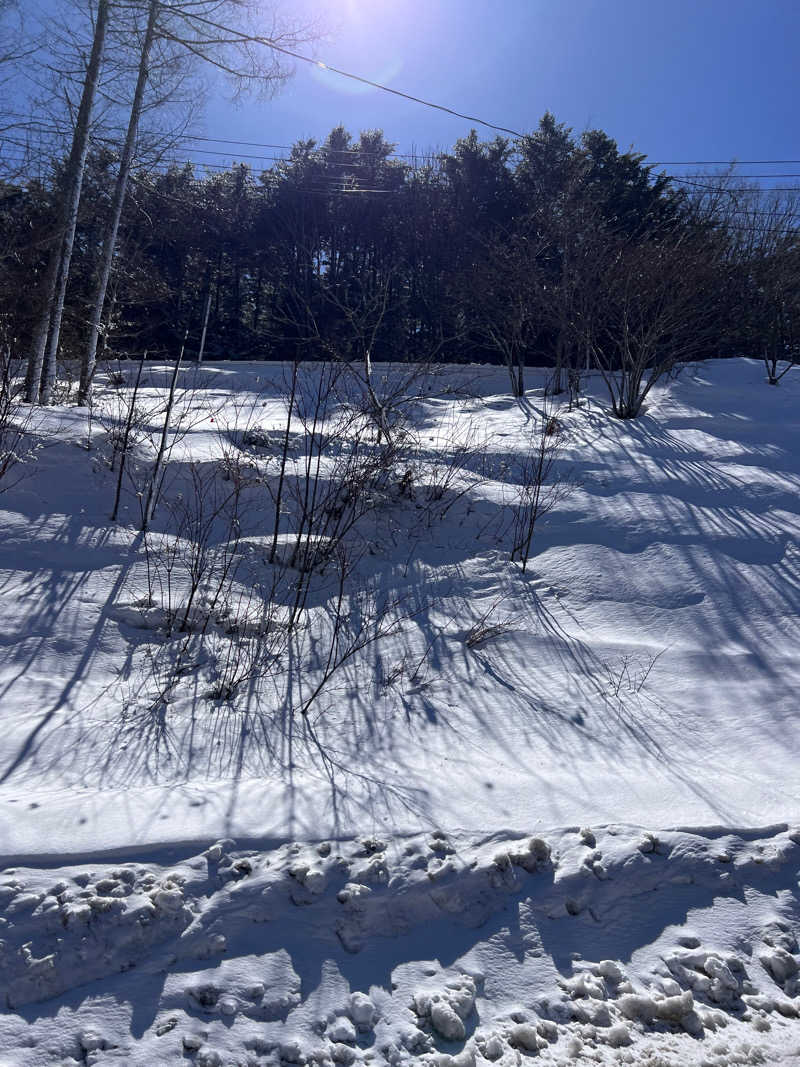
{"x": 553, "y": 816}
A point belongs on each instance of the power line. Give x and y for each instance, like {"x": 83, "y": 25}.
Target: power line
{"x": 726, "y": 189}
{"x": 354, "y": 151}
{"x": 320, "y": 65}
{"x": 716, "y": 162}
{"x": 439, "y": 155}
{"x": 367, "y": 160}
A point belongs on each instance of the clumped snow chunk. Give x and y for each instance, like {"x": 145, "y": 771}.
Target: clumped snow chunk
{"x": 609, "y": 970}
{"x": 341, "y": 1053}
{"x": 207, "y": 1057}
{"x": 170, "y": 900}
{"x": 618, "y": 1036}
{"x": 205, "y": 995}
{"x": 313, "y": 879}
{"x": 444, "y": 1019}
{"x": 461, "y": 994}
{"x": 440, "y": 844}
{"x": 493, "y": 1048}
{"x": 228, "y": 1006}
{"x": 353, "y": 893}
{"x": 637, "y": 1006}
{"x": 586, "y": 984}
{"x": 595, "y": 1012}
{"x": 724, "y": 984}
{"x": 524, "y": 1036}
{"x": 292, "y": 1051}
{"x": 780, "y": 964}
{"x": 214, "y": 853}
{"x": 447, "y": 1007}
{"x": 341, "y": 1030}
{"x": 375, "y": 872}
{"x": 465, "y": 1058}
{"x": 673, "y": 1009}
{"x": 371, "y": 845}
{"x": 91, "y": 1041}
{"x": 362, "y": 1010}
{"x": 547, "y": 1029}
{"x": 535, "y": 857}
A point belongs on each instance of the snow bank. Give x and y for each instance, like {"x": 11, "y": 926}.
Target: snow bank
{"x": 473, "y": 941}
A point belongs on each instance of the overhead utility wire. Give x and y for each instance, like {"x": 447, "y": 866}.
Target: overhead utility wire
{"x": 422, "y": 154}
{"x": 440, "y": 107}
{"x": 368, "y": 159}
{"x": 320, "y": 65}
{"x": 439, "y": 155}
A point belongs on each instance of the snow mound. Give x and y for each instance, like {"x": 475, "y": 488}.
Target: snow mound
{"x": 230, "y": 950}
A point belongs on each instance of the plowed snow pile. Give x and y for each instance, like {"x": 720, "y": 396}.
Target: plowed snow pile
{"x": 549, "y": 815}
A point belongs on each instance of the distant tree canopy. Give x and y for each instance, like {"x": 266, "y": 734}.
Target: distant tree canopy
{"x": 493, "y": 246}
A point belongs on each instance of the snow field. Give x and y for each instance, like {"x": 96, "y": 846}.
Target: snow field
{"x": 645, "y": 663}
{"x": 463, "y": 856}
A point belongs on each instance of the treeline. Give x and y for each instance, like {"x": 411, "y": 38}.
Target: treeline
{"x": 551, "y": 249}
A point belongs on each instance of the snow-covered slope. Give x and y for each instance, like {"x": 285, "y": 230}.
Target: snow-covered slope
{"x": 408, "y": 873}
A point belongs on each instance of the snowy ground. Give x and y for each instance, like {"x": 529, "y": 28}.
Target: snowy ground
{"x": 423, "y": 893}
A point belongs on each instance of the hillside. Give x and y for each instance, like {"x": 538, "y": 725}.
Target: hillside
{"x": 462, "y": 811}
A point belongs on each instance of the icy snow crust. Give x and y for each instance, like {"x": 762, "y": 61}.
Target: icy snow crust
{"x": 610, "y": 946}
{"x": 643, "y": 675}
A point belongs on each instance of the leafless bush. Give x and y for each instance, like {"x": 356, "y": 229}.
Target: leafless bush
{"x": 627, "y": 677}
{"x": 574, "y": 385}
{"x": 15, "y": 425}
{"x": 121, "y": 418}
{"x": 253, "y": 638}
{"x": 124, "y": 423}
{"x": 642, "y": 308}
{"x": 116, "y": 377}
{"x": 65, "y": 383}
{"x": 332, "y": 470}
{"x": 351, "y": 622}
{"x": 190, "y": 569}
{"x": 483, "y": 629}
{"x": 451, "y": 471}
{"x": 503, "y": 289}
{"x": 155, "y": 481}
{"x": 540, "y": 485}
{"x": 142, "y": 427}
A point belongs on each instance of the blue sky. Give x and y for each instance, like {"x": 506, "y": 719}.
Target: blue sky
{"x": 676, "y": 79}
{"x": 679, "y": 80}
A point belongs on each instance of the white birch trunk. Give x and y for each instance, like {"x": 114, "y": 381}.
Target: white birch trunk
{"x": 55, "y": 285}
{"x": 120, "y": 189}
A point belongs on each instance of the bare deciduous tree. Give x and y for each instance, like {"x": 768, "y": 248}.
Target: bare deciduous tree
{"x": 504, "y": 291}
{"x": 644, "y": 306}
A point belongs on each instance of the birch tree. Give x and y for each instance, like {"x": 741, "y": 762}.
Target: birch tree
{"x": 42, "y": 357}
{"x": 120, "y": 190}
{"x": 188, "y": 28}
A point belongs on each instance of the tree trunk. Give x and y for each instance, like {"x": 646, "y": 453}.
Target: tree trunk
{"x": 206, "y": 311}
{"x": 55, "y": 285}
{"x": 120, "y": 189}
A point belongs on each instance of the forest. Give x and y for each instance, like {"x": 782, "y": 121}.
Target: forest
{"x": 550, "y": 249}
